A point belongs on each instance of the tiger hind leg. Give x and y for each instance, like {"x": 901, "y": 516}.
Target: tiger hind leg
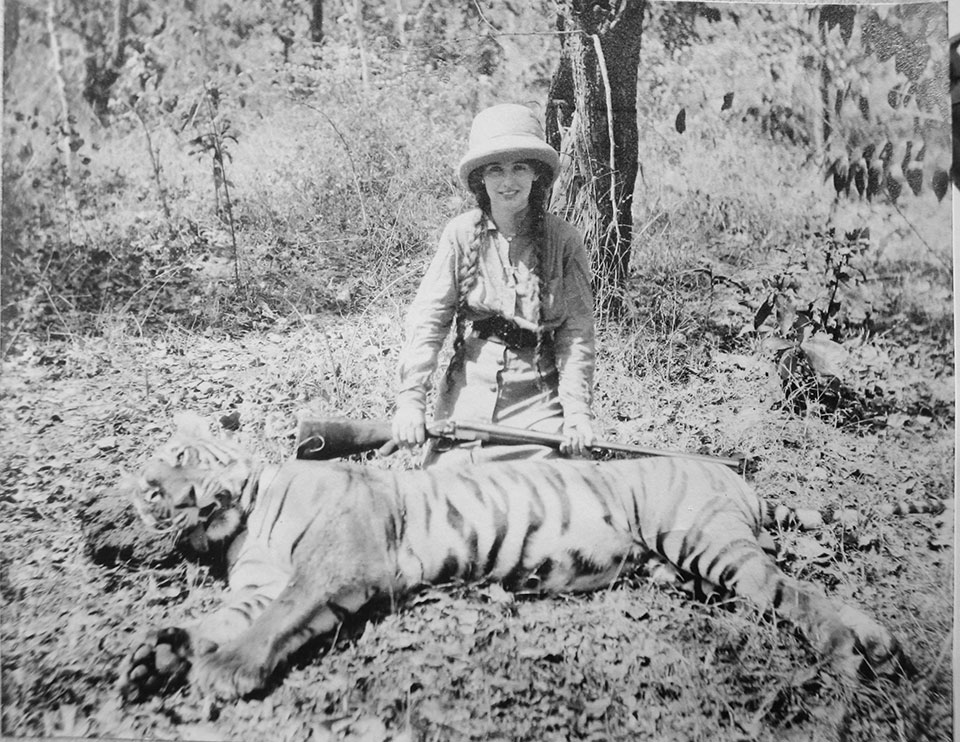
{"x": 855, "y": 643}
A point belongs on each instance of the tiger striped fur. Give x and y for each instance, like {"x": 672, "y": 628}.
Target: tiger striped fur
{"x": 321, "y": 539}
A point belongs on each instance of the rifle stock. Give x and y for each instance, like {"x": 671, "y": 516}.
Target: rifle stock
{"x": 331, "y": 439}
{"x": 321, "y": 440}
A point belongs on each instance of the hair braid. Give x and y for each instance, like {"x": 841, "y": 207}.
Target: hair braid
{"x": 537, "y": 215}
{"x": 467, "y": 268}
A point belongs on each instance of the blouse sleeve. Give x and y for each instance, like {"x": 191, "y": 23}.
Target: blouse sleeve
{"x": 428, "y": 322}
{"x": 574, "y": 341}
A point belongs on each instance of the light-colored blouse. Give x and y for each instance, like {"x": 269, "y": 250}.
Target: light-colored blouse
{"x": 506, "y": 286}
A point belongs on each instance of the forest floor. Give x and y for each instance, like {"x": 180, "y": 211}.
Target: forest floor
{"x": 633, "y": 662}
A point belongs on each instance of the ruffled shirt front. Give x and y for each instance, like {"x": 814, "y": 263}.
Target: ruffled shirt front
{"x": 507, "y": 286}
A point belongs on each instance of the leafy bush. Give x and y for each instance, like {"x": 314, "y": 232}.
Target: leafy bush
{"x": 238, "y": 185}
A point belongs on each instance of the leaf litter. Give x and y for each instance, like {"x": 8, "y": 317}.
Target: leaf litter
{"x": 632, "y": 662}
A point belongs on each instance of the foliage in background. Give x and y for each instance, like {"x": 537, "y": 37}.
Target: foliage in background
{"x": 856, "y": 88}
{"x": 235, "y": 173}
{"x": 741, "y": 244}
{"x": 330, "y": 184}
{"x": 333, "y": 184}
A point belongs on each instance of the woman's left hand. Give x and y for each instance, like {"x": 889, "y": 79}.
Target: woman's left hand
{"x": 577, "y": 437}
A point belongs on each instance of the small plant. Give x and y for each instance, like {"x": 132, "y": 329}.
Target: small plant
{"x": 212, "y": 142}
{"x": 805, "y": 324}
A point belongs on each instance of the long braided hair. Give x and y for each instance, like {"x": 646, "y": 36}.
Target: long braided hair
{"x": 469, "y": 258}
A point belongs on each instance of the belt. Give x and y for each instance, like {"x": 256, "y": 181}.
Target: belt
{"x": 503, "y": 331}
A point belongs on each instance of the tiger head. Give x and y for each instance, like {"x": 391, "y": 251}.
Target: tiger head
{"x": 196, "y": 486}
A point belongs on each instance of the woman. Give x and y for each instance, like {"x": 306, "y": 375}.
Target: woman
{"x": 514, "y": 282}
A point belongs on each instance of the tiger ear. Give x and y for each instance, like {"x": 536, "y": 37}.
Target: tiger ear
{"x": 191, "y": 424}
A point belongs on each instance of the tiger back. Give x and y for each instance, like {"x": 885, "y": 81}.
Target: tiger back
{"x": 560, "y": 525}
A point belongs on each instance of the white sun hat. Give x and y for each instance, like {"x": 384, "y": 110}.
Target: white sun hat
{"x": 506, "y": 131}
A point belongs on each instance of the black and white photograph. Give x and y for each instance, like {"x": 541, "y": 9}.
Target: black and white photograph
{"x": 437, "y": 370}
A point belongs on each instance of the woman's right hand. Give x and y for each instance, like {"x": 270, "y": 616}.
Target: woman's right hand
{"x": 409, "y": 427}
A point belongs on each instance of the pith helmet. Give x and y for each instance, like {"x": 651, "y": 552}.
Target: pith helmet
{"x": 506, "y": 131}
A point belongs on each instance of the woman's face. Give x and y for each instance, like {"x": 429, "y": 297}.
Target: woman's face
{"x": 508, "y": 184}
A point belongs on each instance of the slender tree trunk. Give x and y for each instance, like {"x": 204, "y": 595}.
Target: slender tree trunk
{"x": 56, "y": 64}
{"x": 10, "y": 13}
{"x": 121, "y": 25}
{"x": 824, "y": 131}
{"x": 361, "y": 42}
{"x": 103, "y": 65}
{"x": 316, "y": 21}
{"x": 560, "y": 96}
{"x": 10, "y": 16}
{"x": 597, "y": 130}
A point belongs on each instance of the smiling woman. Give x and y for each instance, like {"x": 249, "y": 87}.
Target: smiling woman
{"x": 514, "y": 283}
{"x": 508, "y": 186}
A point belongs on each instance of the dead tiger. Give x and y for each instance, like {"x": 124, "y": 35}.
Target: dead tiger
{"x": 322, "y": 539}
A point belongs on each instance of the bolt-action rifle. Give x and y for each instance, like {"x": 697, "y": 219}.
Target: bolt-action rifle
{"x": 331, "y": 439}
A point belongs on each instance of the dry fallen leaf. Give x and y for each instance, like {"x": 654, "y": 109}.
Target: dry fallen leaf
{"x": 808, "y": 548}
{"x": 827, "y": 357}
{"x": 597, "y": 708}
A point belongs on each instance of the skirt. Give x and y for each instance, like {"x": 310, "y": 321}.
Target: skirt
{"x": 501, "y": 385}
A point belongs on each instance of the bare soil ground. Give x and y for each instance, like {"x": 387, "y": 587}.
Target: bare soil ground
{"x": 633, "y": 662}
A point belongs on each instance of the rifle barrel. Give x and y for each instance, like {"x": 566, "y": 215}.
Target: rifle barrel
{"x": 329, "y": 439}
{"x": 505, "y": 435}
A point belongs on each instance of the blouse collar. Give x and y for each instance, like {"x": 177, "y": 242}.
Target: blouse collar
{"x": 524, "y": 227}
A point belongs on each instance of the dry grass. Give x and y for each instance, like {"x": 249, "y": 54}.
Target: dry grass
{"x": 633, "y": 662}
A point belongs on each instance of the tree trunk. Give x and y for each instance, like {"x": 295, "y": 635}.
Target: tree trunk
{"x": 824, "y": 131}
{"x": 361, "y": 42}
{"x": 103, "y": 65}
{"x": 11, "y": 34}
{"x": 560, "y": 96}
{"x": 56, "y": 65}
{"x": 592, "y": 112}
{"x": 121, "y": 15}
{"x": 316, "y": 21}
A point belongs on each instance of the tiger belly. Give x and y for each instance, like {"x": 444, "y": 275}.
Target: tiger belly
{"x": 540, "y": 527}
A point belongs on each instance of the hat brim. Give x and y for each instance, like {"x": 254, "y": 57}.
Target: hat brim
{"x": 509, "y": 148}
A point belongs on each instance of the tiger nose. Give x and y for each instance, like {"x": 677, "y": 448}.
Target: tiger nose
{"x": 187, "y": 497}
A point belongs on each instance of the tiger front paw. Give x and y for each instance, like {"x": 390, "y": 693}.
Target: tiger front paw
{"x": 158, "y": 665}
